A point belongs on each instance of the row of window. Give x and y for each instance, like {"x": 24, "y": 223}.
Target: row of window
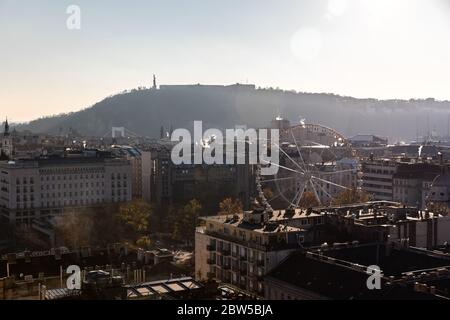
{"x": 119, "y": 184}
{"x": 25, "y": 198}
{"x": 376, "y": 186}
{"x": 30, "y": 180}
{"x": 25, "y": 189}
{"x": 236, "y": 250}
{"x": 75, "y": 193}
{"x": 118, "y": 176}
{"x": 371, "y": 179}
{"x": 50, "y": 204}
{"x": 75, "y": 185}
{"x": 235, "y": 279}
{"x": 76, "y": 202}
{"x": 70, "y": 177}
{"x": 24, "y": 180}
{"x": 82, "y": 193}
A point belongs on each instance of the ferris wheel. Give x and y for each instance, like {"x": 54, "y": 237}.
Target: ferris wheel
{"x": 308, "y": 166}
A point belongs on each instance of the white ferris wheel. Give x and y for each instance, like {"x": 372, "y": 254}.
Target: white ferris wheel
{"x": 308, "y": 166}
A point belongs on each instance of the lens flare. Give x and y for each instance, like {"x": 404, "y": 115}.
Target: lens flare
{"x": 306, "y": 44}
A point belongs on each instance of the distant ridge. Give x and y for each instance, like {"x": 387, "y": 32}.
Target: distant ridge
{"x": 144, "y": 111}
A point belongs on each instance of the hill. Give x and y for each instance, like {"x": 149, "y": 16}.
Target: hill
{"x": 144, "y": 111}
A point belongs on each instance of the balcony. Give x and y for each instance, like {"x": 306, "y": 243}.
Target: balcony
{"x": 210, "y": 247}
{"x": 226, "y": 267}
{"x": 225, "y": 252}
{"x": 243, "y": 258}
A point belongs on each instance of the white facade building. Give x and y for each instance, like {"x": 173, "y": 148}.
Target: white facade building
{"x": 31, "y": 189}
{"x": 378, "y": 178}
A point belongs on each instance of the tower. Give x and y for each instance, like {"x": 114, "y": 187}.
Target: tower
{"x": 7, "y": 141}
{"x": 6, "y": 131}
{"x": 154, "y": 83}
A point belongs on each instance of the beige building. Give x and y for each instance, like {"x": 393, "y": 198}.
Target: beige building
{"x": 44, "y": 187}
{"x": 412, "y": 183}
{"x": 427, "y": 230}
{"x": 146, "y": 175}
{"x": 134, "y": 155}
{"x": 378, "y": 178}
{"x": 240, "y": 250}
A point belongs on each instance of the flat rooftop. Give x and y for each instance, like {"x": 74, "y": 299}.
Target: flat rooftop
{"x": 274, "y": 225}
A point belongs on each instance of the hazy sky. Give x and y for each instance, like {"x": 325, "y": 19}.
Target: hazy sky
{"x": 363, "y": 48}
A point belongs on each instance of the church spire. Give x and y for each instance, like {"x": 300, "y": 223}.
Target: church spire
{"x": 6, "y": 132}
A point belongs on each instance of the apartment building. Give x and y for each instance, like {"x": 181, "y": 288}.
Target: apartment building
{"x": 42, "y": 187}
{"x": 340, "y": 273}
{"x": 412, "y": 183}
{"x": 241, "y": 249}
{"x": 134, "y": 155}
{"x": 165, "y": 183}
{"x": 391, "y": 223}
{"x": 378, "y": 177}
